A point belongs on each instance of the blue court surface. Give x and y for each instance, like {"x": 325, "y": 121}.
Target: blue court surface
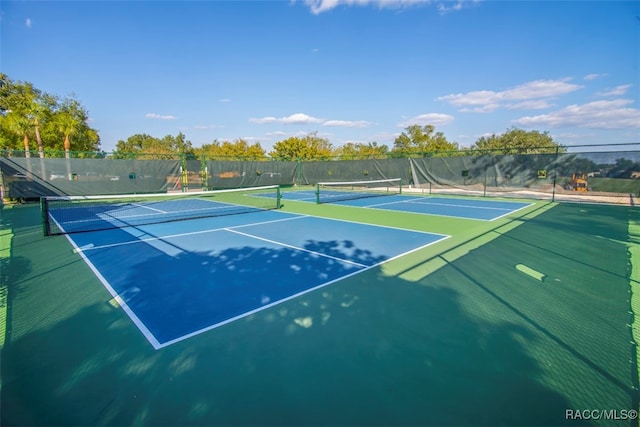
{"x": 179, "y": 279}
{"x": 487, "y": 210}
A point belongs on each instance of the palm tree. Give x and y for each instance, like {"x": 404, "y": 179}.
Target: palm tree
{"x": 67, "y": 124}
{"x": 35, "y": 105}
{"x": 37, "y": 112}
{"x": 22, "y": 126}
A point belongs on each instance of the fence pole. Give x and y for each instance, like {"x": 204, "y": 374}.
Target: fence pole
{"x": 204, "y": 178}
{"x": 485, "y": 182}
{"x": 555, "y": 174}
{"x": 184, "y": 183}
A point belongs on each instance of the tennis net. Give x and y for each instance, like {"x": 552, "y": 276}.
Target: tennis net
{"x": 75, "y": 214}
{"x": 328, "y": 192}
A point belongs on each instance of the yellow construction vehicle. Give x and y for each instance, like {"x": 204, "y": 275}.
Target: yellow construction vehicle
{"x": 578, "y": 182}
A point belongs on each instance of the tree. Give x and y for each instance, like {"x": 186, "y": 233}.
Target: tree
{"x": 623, "y": 168}
{"x": 361, "y": 150}
{"x": 67, "y": 124}
{"x": 307, "y": 147}
{"x": 70, "y": 115}
{"x": 149, "y": 147}
{"x": 179, "y": 144}
{"x": 239, "y": 148}
{"x": 518, "y": 141}
{"x": 41, "y": 109}
{"x": 25, "y": 100}
{"x": 418, "y": 139}
{"x": 21, "y": 126}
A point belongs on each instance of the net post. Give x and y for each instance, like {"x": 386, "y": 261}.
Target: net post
{"x": 318, "y": 193}
{"x": 400, "y": 187}
{"x": 484, "y": 184}
{"x": 278, "y": 197}
{"x": 45, "y": 217}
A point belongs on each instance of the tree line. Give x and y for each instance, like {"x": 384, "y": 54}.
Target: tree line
{"x": 31, "y": 116}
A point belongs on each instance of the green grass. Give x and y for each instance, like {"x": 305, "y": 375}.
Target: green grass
{"x": 615, "y": 185}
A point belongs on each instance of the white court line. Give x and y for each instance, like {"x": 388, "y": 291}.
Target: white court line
{"x": 420, "y": 202}
{"x": 107, "y": 216}
{"x": 141, "y": 326}
{"x": 417, "y": 202}
{"x": 191, "y": 233}
{"x": 509, "y": 213}
{"x": 309, "y": 195}
{"x": 148, "y": 207}
{"x": 297, "y": 248}
{"x": 126, "y": 217}
{"x": 157, "y": 345}
{"x": 306, "y": 291}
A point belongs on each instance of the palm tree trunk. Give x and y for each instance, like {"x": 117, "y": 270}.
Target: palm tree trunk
{"x": 25, "y": 141}
{"x": 27, "y": 154}
{"x": 39, "y": 139}
{"x": 67, "y": 146}
{"x": 43, "y": 172}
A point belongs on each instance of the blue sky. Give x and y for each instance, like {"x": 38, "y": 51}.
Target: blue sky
{"x": 350, "y": 70}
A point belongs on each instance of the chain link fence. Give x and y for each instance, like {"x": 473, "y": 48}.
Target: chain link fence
{"x": 594, "y": 173}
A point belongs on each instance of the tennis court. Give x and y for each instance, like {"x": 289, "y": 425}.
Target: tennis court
{"x": 388, "y": 310}
{"x": 178, "y": 279}
{"x": 488, "y": 210}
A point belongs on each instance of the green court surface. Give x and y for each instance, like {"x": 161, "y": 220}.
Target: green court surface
{"x": 509, "y": 322}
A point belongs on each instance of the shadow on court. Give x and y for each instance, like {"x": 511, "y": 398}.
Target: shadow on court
{"x": 475, "y": 343}
{"x": 178, "y": 295}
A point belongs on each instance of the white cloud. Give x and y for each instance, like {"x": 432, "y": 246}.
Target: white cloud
{"x": 613, "y": 114}
{"x": 206, "y": 127}
{"x": 276, "y": 133}
{"x": 264, "y": 120}
{"x": 347, "y": 123}
{"x": 159, "y": 116}
{"x": 537, "y": 104}
{"x": 434, "y": 119}
{"x": 319, "y": 6}
{"x": 480, "y": 97}
{"x": 447, "y": 7}
{"x": 304, "y": 119}
{"x": 28, "y": 22}
{"x": 294, "y": 119}
{"x": 224, "y": 100}
{"x": 593, "y": 76}
{"x": 488, "y": 100}
{"x": 616, "y": 91}
{"x": 540, "y": 89}
{"x": 300, "y": 119}
{"x": 483, "y": 109}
